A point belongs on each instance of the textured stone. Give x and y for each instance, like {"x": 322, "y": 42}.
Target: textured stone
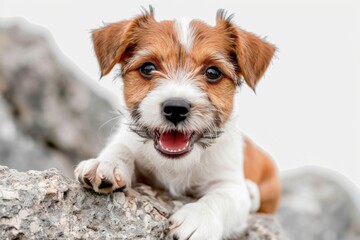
{"x": 21, "y": 151}
{"x": 48, "y": 205}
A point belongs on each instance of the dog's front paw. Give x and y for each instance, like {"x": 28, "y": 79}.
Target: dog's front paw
{"x": 195, "y": 221}
{"x": 102, "y": 176}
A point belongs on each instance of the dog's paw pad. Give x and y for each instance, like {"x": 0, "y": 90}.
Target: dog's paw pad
{"x": 105, "y": 183}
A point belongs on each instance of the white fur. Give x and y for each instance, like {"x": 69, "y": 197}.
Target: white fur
{"x": 214, "y": 175}
{"x": 185, "y": 32}
{"x": 254, "y": 195}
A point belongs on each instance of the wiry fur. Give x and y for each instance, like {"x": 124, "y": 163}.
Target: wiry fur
{"x": 184, "y": 31}
{"x": 213, "y": 170}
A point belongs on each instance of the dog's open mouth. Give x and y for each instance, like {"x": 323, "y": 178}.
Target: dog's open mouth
{"x": 174, "y": 144}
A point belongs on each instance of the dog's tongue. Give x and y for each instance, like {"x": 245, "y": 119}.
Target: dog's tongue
{"x": 174, "y": 140}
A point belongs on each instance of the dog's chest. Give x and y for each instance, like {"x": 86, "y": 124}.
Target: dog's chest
{"x": 177, "y": 183}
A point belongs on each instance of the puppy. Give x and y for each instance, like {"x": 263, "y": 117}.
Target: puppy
{"x": 180, "y": 131}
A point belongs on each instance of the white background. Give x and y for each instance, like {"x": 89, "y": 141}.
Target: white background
{"x": 306, "y": 110}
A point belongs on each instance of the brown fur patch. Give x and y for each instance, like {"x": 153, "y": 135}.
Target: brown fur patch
{"x": 108, "y": 42}
{"x": 251, "y": 54}
{"x": 259, "y": 168}
{"x": 159, "y": 41}
{"x": 136, "y": 88}
{"x": 212, "y": 48}
{"x": 221, "y": 95}
{"x": 254, "y": 56}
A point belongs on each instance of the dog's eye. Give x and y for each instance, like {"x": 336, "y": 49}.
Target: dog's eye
{"x": 146, "y": 69}
{"x": 213, "y": 74}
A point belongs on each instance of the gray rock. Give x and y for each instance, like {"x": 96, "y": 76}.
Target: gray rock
{"x": 47, "y": 99}
{"x": 317, "y": 206}
{"x": 20, "y": 150}
{"x": 47, "y": 205}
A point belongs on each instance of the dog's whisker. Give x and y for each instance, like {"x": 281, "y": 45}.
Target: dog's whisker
{"x": 108, "y": 121}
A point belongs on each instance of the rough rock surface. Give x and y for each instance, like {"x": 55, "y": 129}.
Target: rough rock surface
{"x": 315, "y": 206}
{"x": 48, "y": 99}
{"x": 48, "y": 205}
{"x": 18, "y": 149}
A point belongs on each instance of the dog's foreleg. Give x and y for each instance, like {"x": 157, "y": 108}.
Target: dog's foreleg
{"x": 221, "y": 213}
{"x": 112, "y": 169}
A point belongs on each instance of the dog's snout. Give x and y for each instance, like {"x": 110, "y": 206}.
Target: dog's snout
{"x": 176, "y": 110}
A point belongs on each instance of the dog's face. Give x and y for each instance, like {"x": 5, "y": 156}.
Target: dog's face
{"x": 180, "y": 77}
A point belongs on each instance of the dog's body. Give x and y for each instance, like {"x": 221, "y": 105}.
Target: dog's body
{"x": 181, "y": 132}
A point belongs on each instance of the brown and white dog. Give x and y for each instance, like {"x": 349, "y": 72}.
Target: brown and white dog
{"x": 180, "y": 131}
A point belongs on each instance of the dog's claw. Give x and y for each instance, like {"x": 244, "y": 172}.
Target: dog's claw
{"x": 87, "y": 181}
{"x": 172, "y": 226}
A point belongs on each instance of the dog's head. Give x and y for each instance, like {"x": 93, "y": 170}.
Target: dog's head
{"x": 180, "y": 77}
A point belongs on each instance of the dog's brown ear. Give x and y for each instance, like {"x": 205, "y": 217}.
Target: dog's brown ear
{"x": 110, "y": 43}
{"x": 253, "y": 56}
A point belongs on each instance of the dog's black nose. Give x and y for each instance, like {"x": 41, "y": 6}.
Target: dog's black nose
{"x": 176, "y": 110}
